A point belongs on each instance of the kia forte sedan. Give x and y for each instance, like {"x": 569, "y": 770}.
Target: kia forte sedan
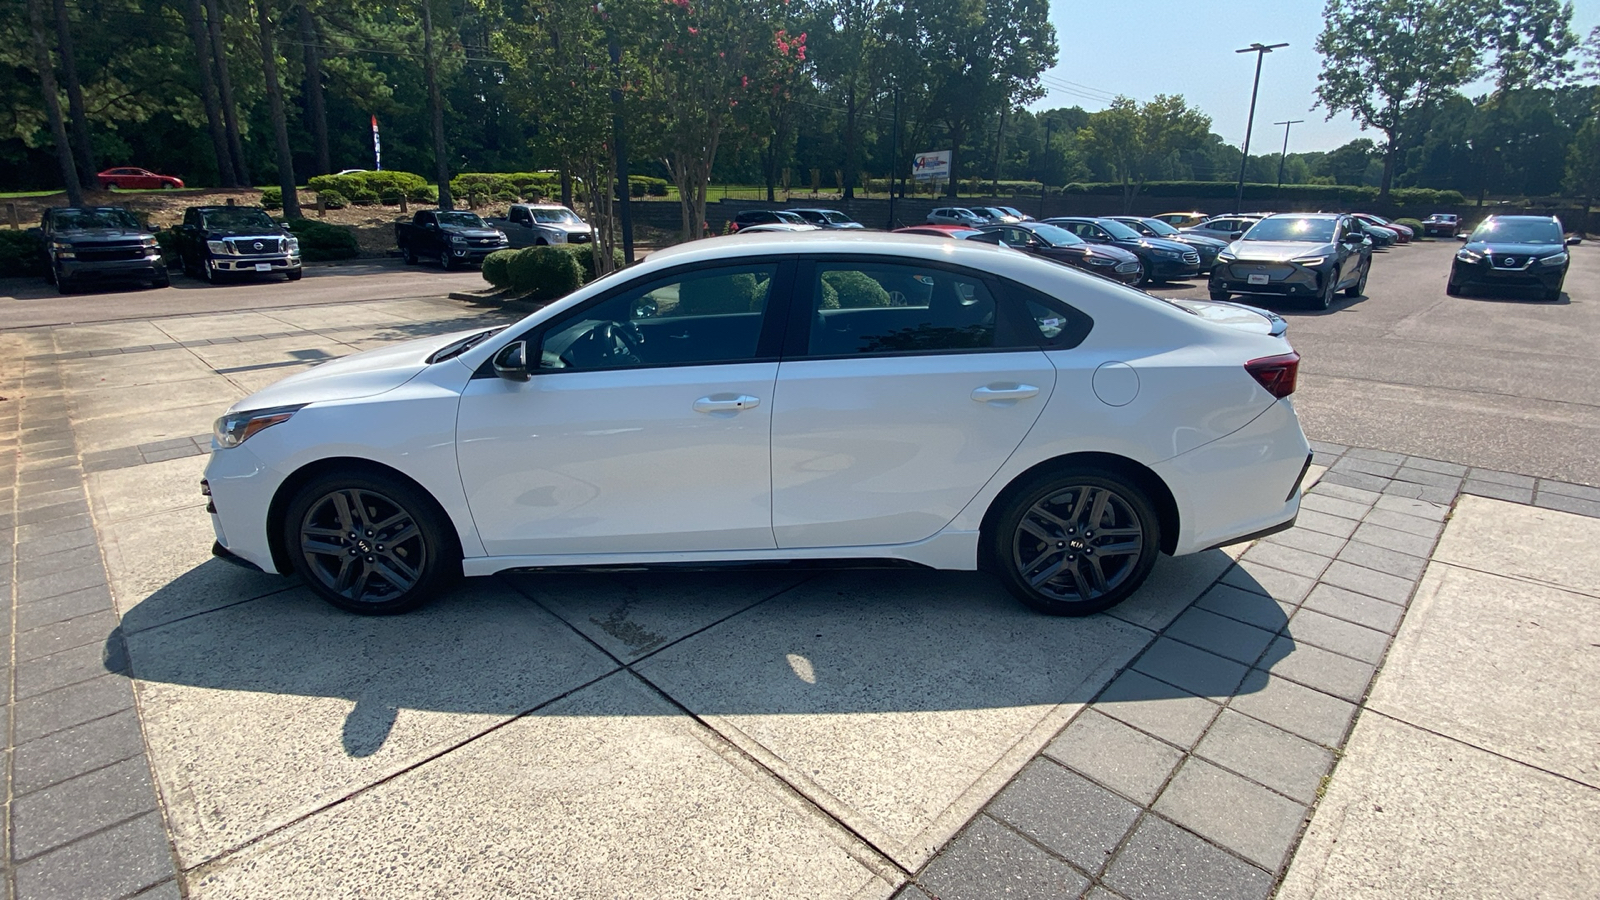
{"x": 778, "y": 397}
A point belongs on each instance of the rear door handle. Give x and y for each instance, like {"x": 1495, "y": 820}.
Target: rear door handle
{"x": 726, "y": 403}
{"x": 993, "y": 393}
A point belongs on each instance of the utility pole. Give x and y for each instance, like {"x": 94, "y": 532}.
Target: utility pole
{"x": 1044, "y": 186}
{"x": 1285, "y": 154}
{"x": 1260, "y": 50}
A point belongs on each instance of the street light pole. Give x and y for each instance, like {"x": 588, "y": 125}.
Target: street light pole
{"x": 1285, "y": 154}
{"x": 1260, "y": 50}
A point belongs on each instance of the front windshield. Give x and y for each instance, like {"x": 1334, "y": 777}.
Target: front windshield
{"x": 107, "y": 217}
{"x": 1289, "y": 228}
{"x": 1118, "y": 230}
{"x": 558, "y": 216}
{"x": 460, "y": 219}
{"x": 789, "y": 218}
{"x": 1160, "y": 227}
{"x": 1059, "y": 237}
{"x": 838, "y": 218}
{"x": 239, "y": 217}
{"x": 1512, "y": 232}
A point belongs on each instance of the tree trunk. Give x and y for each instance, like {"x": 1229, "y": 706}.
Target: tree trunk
{"x": 52, "y": 103}
{"x": 566, "y": 187}
{"x": 851, "y": 165}
{"x": 80, "y": 117}
{"x": 208, "y": 94}
{"x": 956, "y": 134}
{"x": 430, "y": 68}
{"x": 316, "y": 108}
{"x": 280, "y": 124}
{"x": 230, "y": 112}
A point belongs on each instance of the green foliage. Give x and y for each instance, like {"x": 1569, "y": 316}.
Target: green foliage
{"x": 1414, "y": 224}
{"x": 321, "y": 242}
{"x": 506, "y": 188}
{"x": 715, "y": 295}
{"x": 272, "y": 198}
{"x": 544, "y": 273}
{"x": 332, "y": 199}
{"x": 361, "y": 195}
{"x": 167, "y": 240}
{"x": 644, "y": 185}
{"x": 378, "y": 183}
{"x": 847, "y": 289}
{"x": 21, "y": 253}
{"x": 424, "y": 194}
{"x": 1331, "y": 194}
{"x": 584, "y": 254}
{"x": 496, "y": 268}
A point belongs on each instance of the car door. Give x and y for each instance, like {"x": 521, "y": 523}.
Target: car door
{"x": 645, "y": 425}
{"x": 1349, "y": 254}
{"x": 905, "y": 385}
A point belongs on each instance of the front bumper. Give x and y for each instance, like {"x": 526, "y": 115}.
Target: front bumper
{"x": 1534, "y": 275}
{"x": 241, "y": 488}
{"x": 475, "y": 253}
{"x": 254, "y": 264}
{"x": 1282, "y": 279}
{"x": 1161, "y": 268}
{"x": 140, "y": 269}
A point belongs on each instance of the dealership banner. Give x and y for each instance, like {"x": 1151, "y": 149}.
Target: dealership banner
{"x": 931, "y": 166}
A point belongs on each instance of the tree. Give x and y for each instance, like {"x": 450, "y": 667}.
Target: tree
{"x": 1531, "y": 41}
{"x": 194, "y": 14}
{"x": 79, "y": 115}
{"x": 430, "y": 68}
{"x": 1138, "y": 140}
{"x": 316, "y": 108}
{"x": 230, "y": 111}
{"x": 52, "y": 103}
{"x": 280, "y": 124}
{"x": 1384, "y": 59}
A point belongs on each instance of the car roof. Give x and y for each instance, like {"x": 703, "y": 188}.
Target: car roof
{"x": 815, "y": 209}
{"x": 1315, "y": 215}
{"x": 65, "y": 208}
{"x": 235, "y": 206}
{"x": 1524, "y": 219}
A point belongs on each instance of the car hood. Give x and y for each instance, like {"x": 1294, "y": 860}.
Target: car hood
{"x": 459, "y": 231}
{"x": 1199, "y": 240}
{"x": 1507, "y": 248}
{"x": 1112, "y": 250}
{"x": 102, "y": 234}
{"x": 1277, "y": 251}
{"x": 1234, "y": 315}
{"x": 252, "y": 231}
{"x": 1156, "y": 244}
{"x": 351, "y": 377}
{"x": 566, "y": 227}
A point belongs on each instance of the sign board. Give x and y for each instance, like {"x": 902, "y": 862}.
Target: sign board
{"x": 931, "y": 166}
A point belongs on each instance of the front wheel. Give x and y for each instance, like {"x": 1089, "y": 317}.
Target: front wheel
{"x": 296, "y": 274}
{"x": 369, "y": 544}
{"x": 1324, "y": 297}
{"x": 1220, "y": 295}
{"x": 1075, "y": 542}
{"x": 446, "y": 261}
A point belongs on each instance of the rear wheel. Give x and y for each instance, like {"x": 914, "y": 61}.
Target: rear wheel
{"x": 1360, "y": 287}
{"x": 369, "y": 544}
{"x": 1075, "y": 542}
{"x": 410, "y": 255}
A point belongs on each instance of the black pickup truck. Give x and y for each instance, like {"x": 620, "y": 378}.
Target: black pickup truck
{"x": 453, "y": 238}
{"x": 219, "y": 242}
{"x": 98, "y": 243}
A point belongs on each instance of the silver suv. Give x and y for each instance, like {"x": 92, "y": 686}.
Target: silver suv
{"x": 956, "y": 215}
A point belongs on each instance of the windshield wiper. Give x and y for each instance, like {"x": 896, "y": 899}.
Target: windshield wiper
{"x": 456, "y": 348}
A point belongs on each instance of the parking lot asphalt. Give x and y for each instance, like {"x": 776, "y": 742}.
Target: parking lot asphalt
{"x": 181, "y": 725}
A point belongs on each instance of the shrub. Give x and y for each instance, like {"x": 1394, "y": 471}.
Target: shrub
{"x": 424, "y": 194}
{"x": 332, "y": 199}
{"x": 321, "y": 242}
{"x": 544, "y": 273}
{"x": 272, "y": 198}
{"x": 377, "y": 182}
{"x": 584, "y": 254}
{"x": 167, "y": 240}
{"x": 361, "y": 195}
{"x": 721, "y": 294}
{"x": 1414, "y": 224}
{"x": 21, "y": 253}
{"x": 390, "y": 195}
{"x": 642, "y": 185}
{"x": 496, "y": 268}
{"x": 505, "y": 197}
{"x": 851, "y": 290}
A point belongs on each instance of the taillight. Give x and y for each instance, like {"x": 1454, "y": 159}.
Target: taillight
{"x": 1275, "y": 373}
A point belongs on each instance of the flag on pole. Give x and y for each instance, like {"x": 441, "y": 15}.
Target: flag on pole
{"x": 377, "y": 148}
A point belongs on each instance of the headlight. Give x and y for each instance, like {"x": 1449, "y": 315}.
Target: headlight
{"x": 219, "y": 247}
{"x": 1470, "y": 256}
{"x": 294, "y": 245}
{"x": 1560, "y": 259}
{"x": 1311, "y": 262}
{"x": 1099, "y": 261}
{"x": 501, "y": 237}
{"x": 235, "y": 428}
{"x": 1166, "y": 254}
{"x": 63, "y": 250}
{"x": 458, "y": 240}
{"x": 149, "y": 243}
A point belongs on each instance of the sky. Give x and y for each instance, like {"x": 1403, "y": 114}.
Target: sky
{"x": 1142, "y": 48}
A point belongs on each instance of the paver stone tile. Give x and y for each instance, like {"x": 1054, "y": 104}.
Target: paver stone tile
{"x": 1523, "y": 541}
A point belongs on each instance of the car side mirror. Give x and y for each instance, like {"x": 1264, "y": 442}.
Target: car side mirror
{"x": 1574, "y": 241}
{"x": 1235, "y": 235}
{"x": 511, "y": 363}
{"x": 1354, "y": 237}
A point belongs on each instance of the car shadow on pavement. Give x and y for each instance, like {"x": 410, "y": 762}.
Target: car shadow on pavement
{"x": 783, "y": 641}
{"x": 1519, "y": 296}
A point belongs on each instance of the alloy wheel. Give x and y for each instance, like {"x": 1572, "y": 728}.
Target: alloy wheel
{"x": 1078, "y": 543}
{"x": 363, "y": 545}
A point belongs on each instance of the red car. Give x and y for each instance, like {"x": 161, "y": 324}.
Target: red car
{"x": 129, "y": 178}
{"x": 949, "y": 231}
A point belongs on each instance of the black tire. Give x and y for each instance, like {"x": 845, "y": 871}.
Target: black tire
{"x": 64, "y": 285}
{"x": 1218, "y": 294}
{"x": 1360, "y": 287}
{"x": 1324, "y": 297}
{"x": 1060, "y": 508}
{"x": 296, "y": 274}
{"x": 210, "y": 274}
{"x": 446, "y": 261}
{"x": 1553, "y": 295}
{"x": 409, "y": 255}
{"x": 162, "y": 280}
{"x": 371, "y": 573}
{"x": 1451, "y": 286}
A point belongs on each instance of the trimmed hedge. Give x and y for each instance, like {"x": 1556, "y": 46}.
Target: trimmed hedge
{"x": 321, "y": 242}
{"x": 1224, "y": 190}
{"x": 584, "y": 254}
{"x": 544, "y": 273}
{"x": 1414, "y": 224}
{"x": 714, "y": 295}
{"x": 496, "y": 268}
{"x": 21, "y": 253}
{"x": 272, "y": 198}
{"x": 376, "y": 182}
{"x": 332, "y": 199}
{"x": 852, "y": 290}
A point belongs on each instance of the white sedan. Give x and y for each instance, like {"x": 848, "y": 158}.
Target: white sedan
{"x": 771, "y": 397}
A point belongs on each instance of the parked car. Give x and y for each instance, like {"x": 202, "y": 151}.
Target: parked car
{"x": 220, "y": 242}
{"x": 1206, "y": 247}
{"x": 1056, "y": 243}
{"x": 547, "y": 223}
{"x": 778, "y": 228}
{"x": 765, "y": 217}
{"x": 1382, "y": 238}
{"x": 1402, "y": 234}
{"x": 98, "y": 244}
{"x": 1182, "y": 219}
{"x": 828, "y": 219}
{"x": 1304, "y": 255}
{"x": 1513, "y": 251}
{"x": 1222, "y": 228}
{"x": 944, "y": 231}
{"x": 454, "y": 238}
{"x": 996, "y": 215}
{"x": 1017, "y": 213}
{"x": 1161, "y": 259}
{"x": 758, "y": 399}
{"x": 956, "y": 215}
{"x": 129, "y": 178}
{"x": 1441, "y": 225}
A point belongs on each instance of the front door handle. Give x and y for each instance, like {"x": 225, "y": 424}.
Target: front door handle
{"x": 726, "y": 403}
{"x": 993, "y": 393}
